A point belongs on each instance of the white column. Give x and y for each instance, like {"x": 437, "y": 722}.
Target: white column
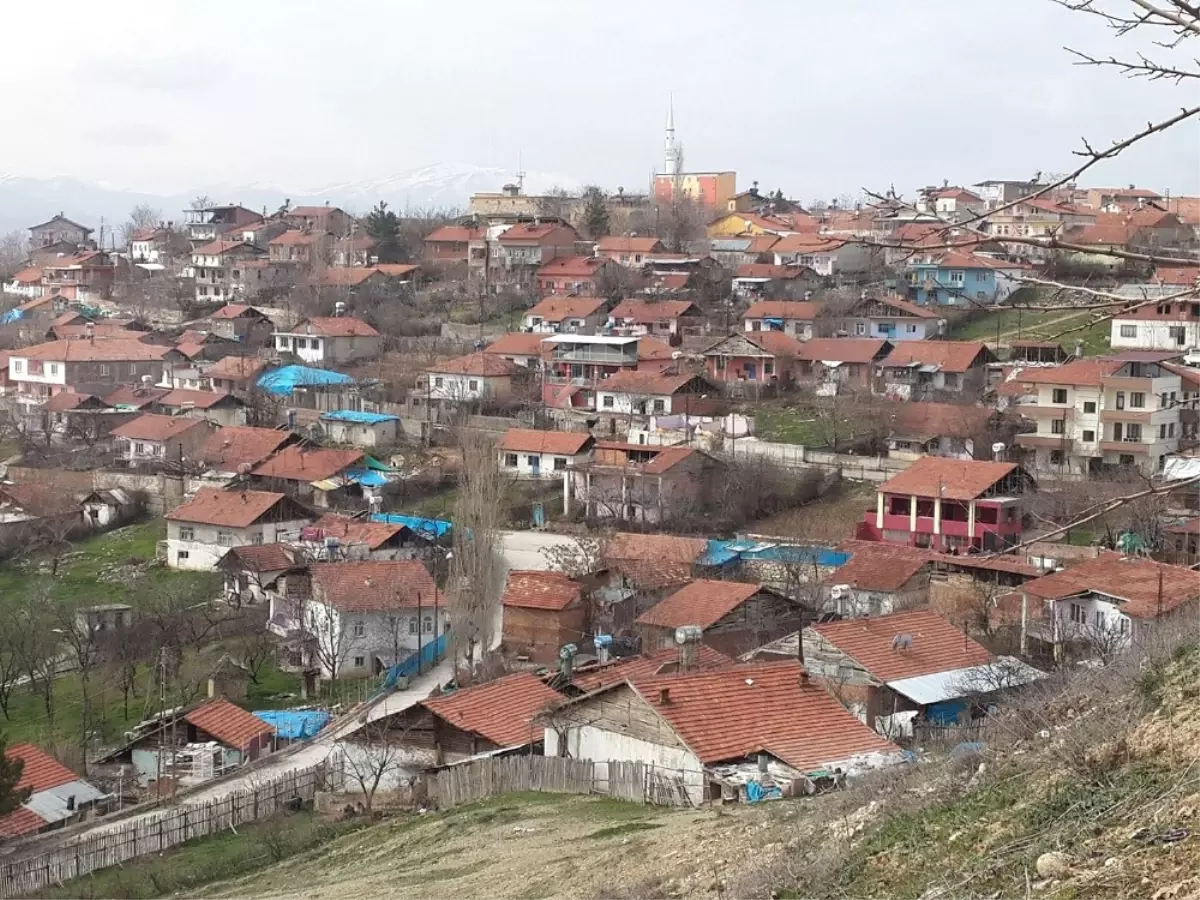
{"x": 937, "y": 515}
{"x": 879, "y": 510}
{"x": 912, "y": 514}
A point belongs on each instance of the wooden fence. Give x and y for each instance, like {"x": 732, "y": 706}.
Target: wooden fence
{"x": 154, "y": 832}
{"x": 493, "y": 776}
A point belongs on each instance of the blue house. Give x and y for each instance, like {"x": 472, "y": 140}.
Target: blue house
{"x": 954, "y": 278}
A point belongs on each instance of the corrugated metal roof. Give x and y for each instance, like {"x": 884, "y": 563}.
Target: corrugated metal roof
{"x": 938, "y": 686}
{"x": 359, "y": 418}
{"x": 52, "y": 805}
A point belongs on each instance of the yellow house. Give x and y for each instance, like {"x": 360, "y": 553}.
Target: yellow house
{"x": 742, "y": 223}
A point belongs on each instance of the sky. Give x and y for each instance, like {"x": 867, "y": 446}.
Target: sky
{"x": 818, "y": 99}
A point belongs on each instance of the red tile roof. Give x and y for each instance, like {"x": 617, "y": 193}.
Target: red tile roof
{"x": 629, "y": 381}
{"x": 667, "y": 459}
{"x": 703, "y": 602}
{"x": 573, "y": 267}
{"x": 846, "y": 350}
{"x": 102, "y": 349}
{"x": 950, "y": 356}
{"x": 454, "y": 234}
{"x": 952, "y": 479}
{"x": 647, "y": 312}
{"x": 31, "y": 275}
{"x": 136, "y": 397}
{"x": 198, "y": 399}
{"x": 482, "y": 364}
{"x": 1086, "y": 372}
{"x": 880, "y": 566}
{"x": 220, "y": 247}
{"x": 928, "y": 420}
{"x": 552, "y": 591}
{"x": 782, "y": 309}
{"x": 64, "y": 401}
{"x": 807, "y": 243}
{"x": 638, "y": 668}
{"x": 556, "y": 309}
{"x": 21, "y": 820}
{"x": 562, "y": 443}
{"x": 333, "y": 326}
{"x": 263, "y": 557}
{"x": 500, "y": 711}
{"x": 525, "y": 232}
{"x": 374, "y": 585}
{"x": 151, "y": 427}
{"x": 1135, "y": 581}
{"x": 234, "y": 509}
{"x": 653, "y": 561}
{"x": 396, "y": 270}
{"x": 235, "y": 368}
{"x": 776, "y": 343}
{"x": 1181, "y": 276}
{"x": 352, "y": 530}
{"x": 516, "y": 343}
{"x": 348, "y": 277}
{"x": 937, "y": 646}
{"x": 730, "y": 714}
{"x": 237, "y": 445}
{"x": 295, "y": 237}
{"x": 768, "y": 270}
{"x": 650, "y": 349}
{"x": 296, "y": 463}
{"x": 630, "y": 244}
{"x": 230, "y": 725}
{"x": 908, "y": 309}
{"x": 236, "y": 311}
{"x": 41, "y": 771}
{"x": 41, "y": 500}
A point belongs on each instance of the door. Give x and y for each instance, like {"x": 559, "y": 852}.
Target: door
{"x": 535, "y": 465}
{"x": 750, "y": 373}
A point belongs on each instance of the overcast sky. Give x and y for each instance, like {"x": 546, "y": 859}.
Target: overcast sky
{"x": 818, "y": 99}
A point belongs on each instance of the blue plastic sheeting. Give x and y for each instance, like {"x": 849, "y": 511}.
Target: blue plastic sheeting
{"x": 430, "y": 653}
{"x": 11, "y": 316}
{"x": 283, "y": 381}
{"x": 366, "y": 477}
{"x": 428, "y": 527}
{"x": 721, "y": 552}
{"x": 294, "y": 724}
{"x": 946, "y": 713}
{"x": 756, "y": 793}
{"x": 358, "y": 418}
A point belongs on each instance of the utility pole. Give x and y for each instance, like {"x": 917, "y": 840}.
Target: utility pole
{"x": 162, "y": 709}
{"x": 420, "y": 625}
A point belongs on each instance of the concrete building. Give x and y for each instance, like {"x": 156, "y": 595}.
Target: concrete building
{"x": 330, "y": 340}
{"x": 201, "y": 531}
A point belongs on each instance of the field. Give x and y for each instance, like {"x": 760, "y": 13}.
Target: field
{"x": 1064, "y": 327}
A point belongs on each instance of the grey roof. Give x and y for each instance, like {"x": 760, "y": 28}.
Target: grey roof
{"x": 1004, "y": 672}
{"x": 51, "y": 805}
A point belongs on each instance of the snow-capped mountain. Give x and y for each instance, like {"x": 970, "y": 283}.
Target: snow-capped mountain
{"x": 28, "y": 201}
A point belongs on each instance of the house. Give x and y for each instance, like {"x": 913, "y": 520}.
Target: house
{"x": 234, "y": 448}
{"x": 353, "y": 278}
{"x": 526, "y": 453}
{"x": 318, "y": 475}
{"x": 57, "y": 796}
{"x": 829, "y": 257}
{"x": 240, "y": 322}
{"x": 334, "y": 537}
{"x": 28, "y": 511}
{"x": 150, "y": 245}
{"x": 573, "y": 276}
{"x": 495, "y": 715}
{"x": 58, "y": 230}
{"x": 770, "y": 280}
{"x": 86, "y": 276}
{"x": 711, "y": 190}
{"x": 135, "y": 399}
{"x": 576, "y": 365}
{"x": 765, "y": 357}
{"x": 26, "y": 283}
{"x": 1105, "y": 412}
{"x": 733, "y": 616}
{"x": 703, "y": 728}
{"x": 107, "y": 509}
{"x": 837, "y": 364}
{"x": 949, "y": 504}
{"x": 658, "y": 317}
{"x": 792, "y": 317}
{"x": 369, "y": 615}
{"x": 737, "y": 250}
{"x": 524, "y": 248}
{"x": 1166, "y": 326}
{"x": 329, "y": 219}
{"x": 574, "y": 315}
{"x": 215, "y": 406}
{"x": 649, "y": 664}
{"x": 891, "y": 670}
{"x": 330, "y": 340}
{"x": 448, "y": 245}
{"x": 70, "y": 416}
{"x": 207, "y": 223}
{"x": 543, "y": 611}
{"x": 916, "y": 370}
{"x": 877, "y": 579}
{"x": 889, "y": 318}
{"x": 630, "y": 251}
{"x": 474, "y": 378}
{"x": 235, "y": 373}
{"x": 201, "y": 530}
{"x": 361, "y": 429}
{"x": 260, "y": 573}
{"x": 940, "y": 429}
{"x": 353, "y": 251}
{"x": 957, "y": 278}
{"x": 636, "y": 393}
{"x": 1098, "y": 606}
{"x": 751, "y": 223}
{"x": 89, "y": 366}
{"x": 163, "y": 440}
{"x": 523, "y": 348}
{"x": 639, "y": 483}
{"x": 218, "y": 269}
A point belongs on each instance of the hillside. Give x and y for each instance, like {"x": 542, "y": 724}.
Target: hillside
{"x": 1102, "y": 772}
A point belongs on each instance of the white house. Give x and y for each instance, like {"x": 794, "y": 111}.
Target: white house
{"x": 361, "y": 429}
{"x": 474, "y": 377}
{"x": 368, "y": 615}
{"x": 201, "y": 531}
{"x": 792, "y": 317}
{"x": 26, "y": 283}
{"x": 330, "y": 340}
{"x": 574, "y": 315}
{"x": 1169, "y": 326}
{"x": 630, "y": 392}
{"x": 525, "y": 453}
{"x": 824, "y": 255}
{"x": 890, "y": 319}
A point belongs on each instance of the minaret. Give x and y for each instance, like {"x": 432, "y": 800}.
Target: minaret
{"x": 673, "y": 155}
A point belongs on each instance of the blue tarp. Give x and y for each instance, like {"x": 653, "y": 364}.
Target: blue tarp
{"x": 433, "y": 528}
{"x": 359, "y": 418}
{"x": 720, "y": 552}
{"x": 11, "y": 316}
{"x": 945, "y": 713}
{"x": 284, "y": 380}
{"x": 430, "y": 653}
{"x": 366, "y": 477}
{"x": 756, "y": 793}
{"x": 294, "y": 724}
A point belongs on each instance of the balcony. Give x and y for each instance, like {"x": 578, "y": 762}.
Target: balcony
{"x": 1145, "y": 385}
{"x": 1126, "y": 446}
{"x": 1062, "y": 413}
{"x": 1052, "y": 441}
{"x": 1141, "y": 416}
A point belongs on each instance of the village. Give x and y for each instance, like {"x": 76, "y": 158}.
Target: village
{"x": 693, "y": 497}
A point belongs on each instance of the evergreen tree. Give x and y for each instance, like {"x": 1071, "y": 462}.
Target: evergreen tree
{"x": 10, "y": 774}
{"x": 595, "y": 214}
{"x": 383, "y": 226}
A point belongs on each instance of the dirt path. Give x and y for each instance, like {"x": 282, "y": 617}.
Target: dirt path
{"x": 1038, "y": 327}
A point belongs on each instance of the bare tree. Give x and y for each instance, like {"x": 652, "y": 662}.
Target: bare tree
{"x": 141, "y": 216}
{"x": 13, "y": 250}
{"x": 333, "y": 640}
{"x": 256, "y": 646}
{"x": 373, "y": 755}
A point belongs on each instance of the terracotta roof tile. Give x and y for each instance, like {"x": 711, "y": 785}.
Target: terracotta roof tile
{"x": 296, "y": 237}
{"x": 776, "y": 343}
{"x": 296, "y": 463}
{"x": 541, "y": 590}
{"x": 647, "y": 312}
{"x": 556, "y": 309}
{"x": 500, "y": 711}
{"x": 846, "y": 350}
{"x": 937, "y": 646}
{"x": 229, "y": 724}
{"x": 799, "y": 310}
{"x": 769, "y": 270}
{"x": 152, "y": 427}
{"x": 652, "y": 561}
{"x": 880, "y": 566}
{"x": 629, "y": 244}
{"x": 198, "y": 399}
{"x": 630, "y": 381}
{"x": 527, "y": 232}
{"x": 573, "y": 267}
{"x": 221, "y": 247}
{"x": 454, "y": 234}
{"x": 517, "y": 343}
{"x": 374, "y": 585}
{"x": 333, "y": 326}
{"x": 396, "y": 270}
{"x": 235, "y": 509}
{"x": 807, "y": 243}
{"x": 703, "y": 602}
{"x": 235, "y": 368}
{"x": 236, "y": 311}
{"x": 21, "y": 820}
{"x": 563, "y": 443}
{"x": 347, "y": 277}
{"x": 236, "y": 445}
{"x": 65, "y": 401}
{"x": 135, "y": 397}
{"x": 102, "y": 349}
{"x": 650, "y": 349}
{"x": 41, "y": 500}
{"x": 668, "y": 458}
{"x": 41, "y": 771}
{"x": 636, "y": 669}
{"x": 950, "y": 356}
{"x": 906, "y": 308}
{"x": 929, "y": 420}
{"x": 352, "y": 530}
{"x": 1086, "y": 372}
{"x": 482, "y": 364}
{"x": 263, "y": 557}
{"x": 1136, "y": 581}
{"x": 730, "y": 714}
{"x": 953, "y": 479}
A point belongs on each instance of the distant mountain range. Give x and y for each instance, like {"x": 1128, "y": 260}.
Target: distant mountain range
{"x": 28, "y": 201}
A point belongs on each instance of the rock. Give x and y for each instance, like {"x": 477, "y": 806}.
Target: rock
{"x": 1053, "y": 865}
{"x": 1110, "y": 862}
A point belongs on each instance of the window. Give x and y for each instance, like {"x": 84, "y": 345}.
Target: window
{"x": 534, "y": 461}
{"x": 607, "y": 402}
{"x": 560, "y": 463}
{"x": 754, "y": 325}
{"x": 359, "y": 628}
{"x": 473, "y": 385}
{"x": 912, "y": 329}
{"x": 256, "y": 538}
{"x": 53, "y": 368}
{"x": 951, "y": 381}
{"x": 1133, "y": 431}
{"x": 427, "y": 624}
{"x": 1098, "y": 618}
{"x": 18, "y": 365}
{"x": 181, "y": 555}
{"x": 1122, "y": 625}
{"x": 1060, "y": 395}
{"x": 1120, "y": 399}
{"x": 1077, "y": 613}
{"x": 1128, "y": 331}
{"x": 301, "y": 343}
{"x": 956, "y": 277}
{"x": 359, "y": 662}
{"x": 1089, "y": 437}
{"x": 510, "y": 460}
{"x": 720, "y": 364}
{"x": 1162, "y": 432}
{"x": 1137, "y": 400}
{"x": 412, "y": 625}
{"x": 1125, "y": 459}
{"x": 1058, "y": 426}
{"x": 661, "y": 405}
{"x": 1056, "y": 458}
{"x": 1170, "y": 429}
{"x": 1089, "y": 408}
{"x": 860, "y": 327}
{"x": 768, "y": 367}
{"x": 103, "y": 369}
{"x": 225, "y": 538}
{"x": 139, "y": 449}
{"x": 981, "y": 276}
{"x": 187, "y": 533}
{"x": 437, "y": 382}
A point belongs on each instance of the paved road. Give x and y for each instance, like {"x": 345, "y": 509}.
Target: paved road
{"x": 524, "y": 549}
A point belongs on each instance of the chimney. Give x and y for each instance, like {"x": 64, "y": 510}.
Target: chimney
{"x": 212, "y": 688}
{"x": 664, "y": 696}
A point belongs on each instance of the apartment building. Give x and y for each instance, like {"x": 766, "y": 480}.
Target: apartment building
{"x": 1095, "y": 413}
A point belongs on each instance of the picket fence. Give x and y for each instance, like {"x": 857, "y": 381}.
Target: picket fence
{"x": 154, "y": 832}
{"x": 479, "y": 779}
